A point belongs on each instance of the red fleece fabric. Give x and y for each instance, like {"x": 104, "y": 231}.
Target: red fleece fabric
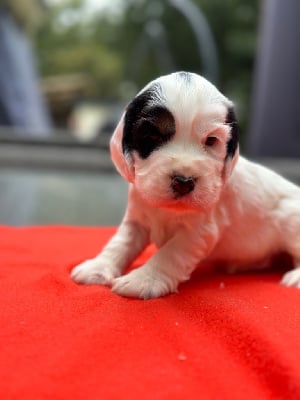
{"x": 221, "y": 337}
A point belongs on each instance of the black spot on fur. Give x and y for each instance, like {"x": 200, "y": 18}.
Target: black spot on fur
{"x": 232, "y": 144}
{"x": 147, "y": 123}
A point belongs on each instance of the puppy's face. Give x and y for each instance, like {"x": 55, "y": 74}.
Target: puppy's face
{"x": 177, "y": 142}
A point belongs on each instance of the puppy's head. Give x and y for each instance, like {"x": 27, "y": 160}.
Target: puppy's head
{"x": 177, "y": 142}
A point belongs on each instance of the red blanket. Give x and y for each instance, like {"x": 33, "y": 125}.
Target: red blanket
{"x": 222, "y": 337}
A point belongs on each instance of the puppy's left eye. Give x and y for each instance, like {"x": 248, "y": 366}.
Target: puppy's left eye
{"x": 211, "y": 141}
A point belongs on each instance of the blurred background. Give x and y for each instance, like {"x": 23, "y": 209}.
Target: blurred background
{"x": 68, "y": 68}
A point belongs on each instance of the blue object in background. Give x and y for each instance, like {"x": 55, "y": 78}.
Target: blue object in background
{"x": 22, "y": 105}
{"x": 275, "y": 120}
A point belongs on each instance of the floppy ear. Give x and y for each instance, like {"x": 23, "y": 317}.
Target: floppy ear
{"x": 229, "y": 165}
{"x": 232, "y": 145}
{"x": 123, "y": 162}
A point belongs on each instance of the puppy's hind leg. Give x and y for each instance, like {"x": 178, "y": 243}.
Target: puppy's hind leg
{"x": 292, "y": 278}
{"x": 291, "y": 232}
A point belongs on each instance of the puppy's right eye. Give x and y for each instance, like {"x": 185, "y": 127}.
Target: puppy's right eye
{"x": 152, "y": 135}
{"x": 147, "y": 137}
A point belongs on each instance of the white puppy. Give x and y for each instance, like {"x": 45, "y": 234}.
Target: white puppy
{"x": 190, "y": 194}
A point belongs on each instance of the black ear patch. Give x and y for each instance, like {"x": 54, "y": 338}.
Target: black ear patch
{"x": 232, "y": 144}
{"x": 147, "y": 123}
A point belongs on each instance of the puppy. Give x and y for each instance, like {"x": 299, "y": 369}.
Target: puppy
{"x": 191, "y": 194}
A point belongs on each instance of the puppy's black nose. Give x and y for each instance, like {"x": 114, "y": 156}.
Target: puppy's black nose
{"x": 182, "y": 185}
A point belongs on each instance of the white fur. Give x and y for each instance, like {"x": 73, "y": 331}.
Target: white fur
{"x": 239, "y": 215}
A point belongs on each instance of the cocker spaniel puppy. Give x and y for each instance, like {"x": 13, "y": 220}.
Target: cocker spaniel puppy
{"x": 191, "y": 194}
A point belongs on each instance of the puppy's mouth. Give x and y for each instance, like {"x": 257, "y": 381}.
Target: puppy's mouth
{"x": 183, "y": 202}
{"x": 181, "y": 193}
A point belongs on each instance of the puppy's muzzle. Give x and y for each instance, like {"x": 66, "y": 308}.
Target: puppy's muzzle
{"x": 182, "y": 185}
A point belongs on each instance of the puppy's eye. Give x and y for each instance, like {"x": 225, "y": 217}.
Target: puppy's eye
{"x": 153, "y": 136}
{"x": 211, "y": 141}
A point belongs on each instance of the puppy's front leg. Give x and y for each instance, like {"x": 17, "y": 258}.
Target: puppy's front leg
{"x": 172, "y": 264}
{"x": 130, "y": 239}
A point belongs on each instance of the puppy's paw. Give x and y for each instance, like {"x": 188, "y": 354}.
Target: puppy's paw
{"x": 292, "y": 278}
{"x": 93, "y": 272}
{"x": 144, "y": 283}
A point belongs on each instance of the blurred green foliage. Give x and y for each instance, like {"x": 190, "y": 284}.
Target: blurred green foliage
{"x": 105, "y": 46}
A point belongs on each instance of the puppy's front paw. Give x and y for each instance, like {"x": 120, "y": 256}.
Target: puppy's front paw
{"x": 292, "y": 278}
{"x": 144, "y": 283}
{"x": 93, "y": 272}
